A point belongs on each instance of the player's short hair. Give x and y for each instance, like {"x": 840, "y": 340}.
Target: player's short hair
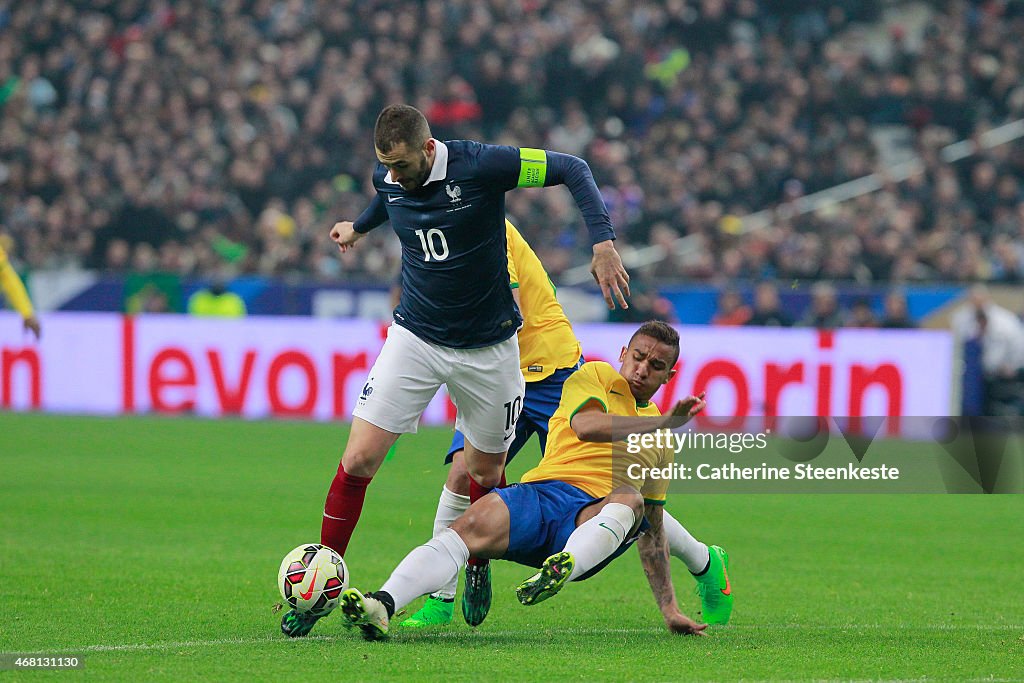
{"x": 398, "y": 123}
{"x": 659, "y": 331}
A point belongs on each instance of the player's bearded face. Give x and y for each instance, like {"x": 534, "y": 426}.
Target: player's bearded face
{"x": 410, "y": 167}
{"x": 646, "y": 365}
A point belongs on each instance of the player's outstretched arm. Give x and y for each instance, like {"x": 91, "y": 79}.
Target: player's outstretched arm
{"x": 545, "y": 168}
{"x": 653, "y": 548}
{"x": 606, "y": 265}
{"x": 592, "y": 424}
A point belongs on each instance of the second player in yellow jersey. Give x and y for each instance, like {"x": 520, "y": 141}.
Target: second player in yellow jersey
{"x": 14, "y": 291}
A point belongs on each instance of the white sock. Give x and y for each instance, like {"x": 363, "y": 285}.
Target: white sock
{"x": 599, "y": 537}
{"x": 427, "y": 568}
{"x": 683, "y": 545}
{"x": 450, "y": 507}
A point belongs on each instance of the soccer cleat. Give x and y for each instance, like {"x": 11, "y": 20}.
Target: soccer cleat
{"x": 297, "y": 624}
{"x": 435, "y": 612}
{"x": 368, "y": 613}
{"x": 714, "y": 588}
{"x": 476, "y": 597}
{"x": 553, "y": 574}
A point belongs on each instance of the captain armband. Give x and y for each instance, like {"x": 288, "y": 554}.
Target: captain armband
{"x": 533, "y": 167}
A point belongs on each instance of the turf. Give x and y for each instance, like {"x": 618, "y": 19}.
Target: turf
{"x": 150, "y": 547}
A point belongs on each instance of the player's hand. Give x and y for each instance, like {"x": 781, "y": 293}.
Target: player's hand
{"x": 684, "y": 625}
{"x": 32, "y": 324}
{"x": 345, "y": 235}
{"x": 689, "y": 406}
{"x": 608, "y": 271}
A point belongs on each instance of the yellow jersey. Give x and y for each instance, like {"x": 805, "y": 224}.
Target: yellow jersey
{"x": 590, "y": 466}
{"x": 546, "y": 339}
{"x": 13, "y": 288}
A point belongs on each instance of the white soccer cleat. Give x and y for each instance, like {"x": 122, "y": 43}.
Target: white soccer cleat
{"x": 368, "y": 613}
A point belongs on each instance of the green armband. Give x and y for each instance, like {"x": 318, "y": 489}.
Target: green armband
{"x": 533, "y": 167}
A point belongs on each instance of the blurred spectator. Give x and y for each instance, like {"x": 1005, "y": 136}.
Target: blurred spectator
{"x": 216, "y": 302}
{"x": 861, "y": 315}
{"x": 824, "y": 313}
{"x": 767, "y": 307}
{"x": 731, "y": 309}
{"x": 897, "y": 315}
{"x": 1000, "y": 334}
{"x": 150, "y": 298}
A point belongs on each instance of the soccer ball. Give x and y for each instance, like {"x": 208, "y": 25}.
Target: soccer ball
{"x": 312, "y": 578}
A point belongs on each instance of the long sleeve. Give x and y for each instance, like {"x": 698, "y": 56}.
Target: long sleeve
{"x": 375, "y": 214}
{"x": 510, "y": 167}
{"x": 574, "y": 173}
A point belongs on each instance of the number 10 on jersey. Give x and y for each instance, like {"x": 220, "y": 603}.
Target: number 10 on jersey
{"x": 435, "y": 247}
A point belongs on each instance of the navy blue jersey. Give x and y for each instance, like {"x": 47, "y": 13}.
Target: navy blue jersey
{"x": 455, "y": 286}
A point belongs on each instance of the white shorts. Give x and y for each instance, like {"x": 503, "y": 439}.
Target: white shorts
{"x": 485, "y": 384}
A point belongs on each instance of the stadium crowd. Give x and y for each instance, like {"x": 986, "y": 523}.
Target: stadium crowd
{"x": 201, "y": 138}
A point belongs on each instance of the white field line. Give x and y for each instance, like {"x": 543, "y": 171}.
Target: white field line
{"x": 278, "y": 639}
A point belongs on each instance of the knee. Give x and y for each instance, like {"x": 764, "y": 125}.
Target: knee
{"x": 631, "y": 498}
{"x": 362, "y": 461}
{"x": 469, "y": 527}
{"x": 482, "y": 526}
{"x": 488, "y": 480}
{"x": 485, "y": 471}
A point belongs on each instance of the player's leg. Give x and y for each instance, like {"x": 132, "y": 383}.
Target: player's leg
{"x": 486, "y": 472}
{"x": 709, "y": 566}
{"x": 454, "y": 500}
{"x": 401, "y": 383}
{"x": 601, "y": 529}
{"x": 483, "y": 530}
{"x": 403, "y": 379}
{"x": 487, "y": 387}
{"x": 683, "y": 545}
{"x": 365, "y": 450}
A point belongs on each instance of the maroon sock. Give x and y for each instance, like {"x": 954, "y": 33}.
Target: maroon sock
{"x": 342, "y": 509}
{"x": 476, "y": 492}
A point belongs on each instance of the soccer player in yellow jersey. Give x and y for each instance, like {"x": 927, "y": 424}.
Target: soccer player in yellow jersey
{"x": 17, "y": 297}
{"x": 572, "y": 514}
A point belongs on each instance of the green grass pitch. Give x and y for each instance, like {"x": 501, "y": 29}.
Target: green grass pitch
{"x": 151, "y": 547}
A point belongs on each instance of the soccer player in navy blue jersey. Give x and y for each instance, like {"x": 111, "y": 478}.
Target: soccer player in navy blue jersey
{"x": 456, "y": 321}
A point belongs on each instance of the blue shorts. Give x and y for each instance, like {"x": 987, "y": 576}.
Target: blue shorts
{"x": 542, "y": 516}
{"x": 539, "y": 403}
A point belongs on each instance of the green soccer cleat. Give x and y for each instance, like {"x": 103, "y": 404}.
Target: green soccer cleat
{"x": 297, "y": 624}
{"x": 476, "y": 597}
{"x": 368, "y": 613}
{"x": 714, "y": 588}
{"x": 435, "y": 612}
{"x": 553, "y": 574}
